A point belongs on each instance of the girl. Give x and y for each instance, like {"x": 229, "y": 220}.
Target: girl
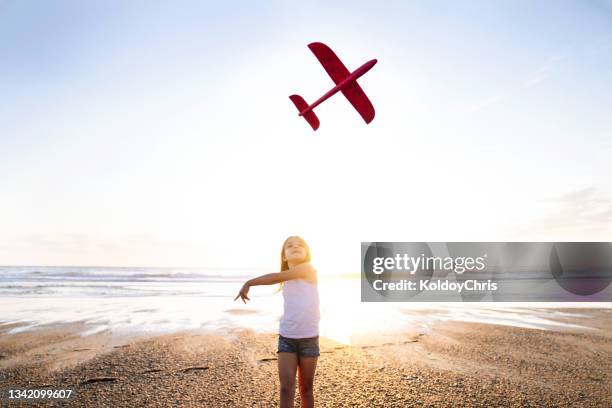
{"x": 298, "y": 338}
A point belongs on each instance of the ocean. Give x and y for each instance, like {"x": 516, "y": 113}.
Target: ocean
{"x": 123, "y": 300}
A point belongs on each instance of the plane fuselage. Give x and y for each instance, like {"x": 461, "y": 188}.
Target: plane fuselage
{"x": 345, "y": 82}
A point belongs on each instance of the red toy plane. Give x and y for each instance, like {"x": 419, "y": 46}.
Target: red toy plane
{"x": 345, "y": 82}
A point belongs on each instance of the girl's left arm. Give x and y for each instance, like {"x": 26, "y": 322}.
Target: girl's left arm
{"x": 298, "y": 271}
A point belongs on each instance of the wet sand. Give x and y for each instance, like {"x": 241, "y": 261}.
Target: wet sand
{"x": 453, "y": 364}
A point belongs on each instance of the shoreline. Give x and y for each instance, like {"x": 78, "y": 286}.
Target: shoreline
{"x": 452, "y": 364}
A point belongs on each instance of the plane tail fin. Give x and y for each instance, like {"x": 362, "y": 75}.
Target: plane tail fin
{"x": 310, "y": 116}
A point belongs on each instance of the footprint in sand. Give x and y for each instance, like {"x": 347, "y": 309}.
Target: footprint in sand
{"x": 153, "y": 370}
{"x": 194, "y": 368}
{"x": 98, "y": 380}
{"x": 267, "y": 359}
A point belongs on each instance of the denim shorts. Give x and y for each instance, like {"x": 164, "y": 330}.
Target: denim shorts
{"x": 306, "y": 347}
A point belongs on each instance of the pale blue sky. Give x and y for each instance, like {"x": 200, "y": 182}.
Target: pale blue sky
{"x": 144, "y": 133}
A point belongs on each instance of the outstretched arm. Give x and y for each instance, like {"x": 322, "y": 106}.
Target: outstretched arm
{"x": 298, "y": 271}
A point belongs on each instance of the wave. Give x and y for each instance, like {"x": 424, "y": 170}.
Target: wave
{"x": 117, "y": 282}
{"x": 117, "y": 274}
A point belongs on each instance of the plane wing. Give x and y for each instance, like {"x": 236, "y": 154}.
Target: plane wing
{"x": 359, "y": 100}
{"x": 332, "y": 64}
{"x": 338, "y": 72}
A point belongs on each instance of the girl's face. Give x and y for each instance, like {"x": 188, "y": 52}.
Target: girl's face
{"x": 295, "y": 250}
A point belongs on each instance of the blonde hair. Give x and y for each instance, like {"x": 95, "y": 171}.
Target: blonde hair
{"x": 284, "y": 265}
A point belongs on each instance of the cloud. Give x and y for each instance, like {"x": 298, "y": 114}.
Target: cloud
{"x": 580, "y": 215}
{"x": 533, "y": 78}
{"x": 89, "y": 250}
{"x": 485, "y": 103}
{"x": 543, "y": 72}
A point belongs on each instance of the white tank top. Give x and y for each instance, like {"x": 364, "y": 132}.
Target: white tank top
{"x": 301, "y": 309}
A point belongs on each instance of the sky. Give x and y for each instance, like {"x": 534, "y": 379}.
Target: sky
{"x": 143, "y": 133}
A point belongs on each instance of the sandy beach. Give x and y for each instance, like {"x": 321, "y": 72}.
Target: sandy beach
{"x": 453, "y": 364}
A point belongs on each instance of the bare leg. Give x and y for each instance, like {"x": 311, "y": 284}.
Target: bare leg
{"x": 306, "y": 372}
{"x": 287, "y": 366}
